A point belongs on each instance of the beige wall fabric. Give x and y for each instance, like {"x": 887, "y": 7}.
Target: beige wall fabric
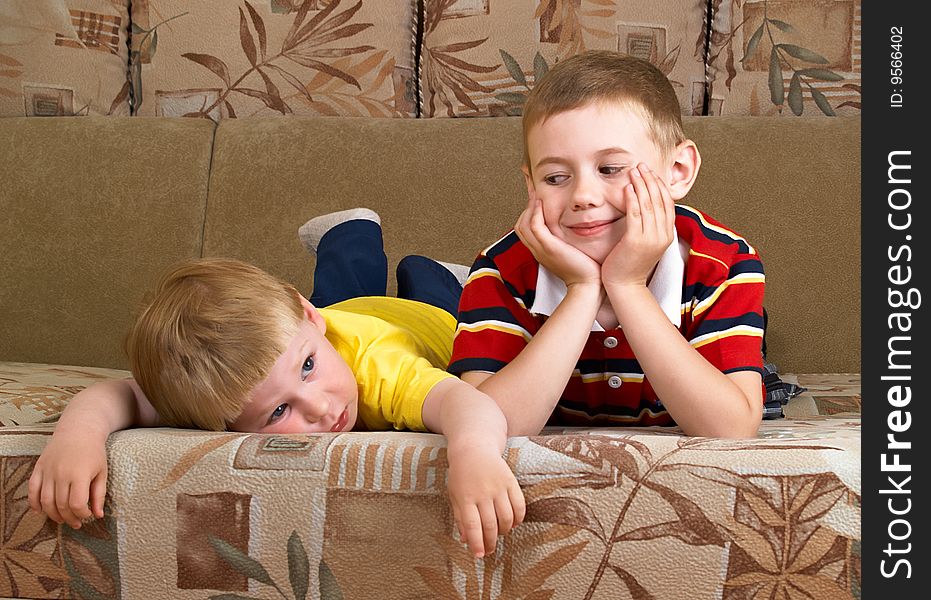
{"x": 224, "y": 59}
{"x": 64, "y": 57}
{"x": 816, "y": 71}
{"x": 481, "y": 57}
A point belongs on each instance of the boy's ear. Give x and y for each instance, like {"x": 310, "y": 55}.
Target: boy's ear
{"x": 527, "y": 178}
{"x": 311, "y": 312}
{"x": 684, "y": 169}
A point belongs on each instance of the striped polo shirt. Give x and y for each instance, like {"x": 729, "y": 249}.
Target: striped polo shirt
{"x": 720, "y": 314}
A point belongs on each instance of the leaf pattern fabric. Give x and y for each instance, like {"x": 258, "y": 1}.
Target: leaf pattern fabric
{"x": 408, "y": 58}
{"x": 64, "y": 58}
{"x": 482, "y": 57}
{"x": 204, "y": 514}
{"x": 248, "y": 58}
{"x": 785, "y": 58}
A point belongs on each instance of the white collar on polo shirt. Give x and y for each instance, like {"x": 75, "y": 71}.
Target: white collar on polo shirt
{"x": 666, "y": 285}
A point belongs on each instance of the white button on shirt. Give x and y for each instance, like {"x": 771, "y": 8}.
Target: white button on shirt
{"x": 610, "y": 342}
{"x": 614, "y": 381}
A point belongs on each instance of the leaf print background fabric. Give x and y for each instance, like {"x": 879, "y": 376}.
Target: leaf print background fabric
{"x": 480, "y": 57}
{"x": 262, "y": 57}
{"x": 64, "y": 57}
{"x": 784, "y": 58}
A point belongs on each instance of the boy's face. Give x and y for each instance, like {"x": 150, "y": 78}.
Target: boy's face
{"x": 310, "y": 388}
{"x": 580, "y": 161}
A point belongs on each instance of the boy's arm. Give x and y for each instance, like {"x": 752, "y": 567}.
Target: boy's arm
{"x": 485, "y": 496}
{"x": 528, "y": 388}
{"x": 72, "y": 468}
{"x": 702, "y": 400}
{"x": 550, "y": 356}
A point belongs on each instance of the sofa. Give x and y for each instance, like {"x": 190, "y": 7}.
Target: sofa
{"x": 95, "y": 208}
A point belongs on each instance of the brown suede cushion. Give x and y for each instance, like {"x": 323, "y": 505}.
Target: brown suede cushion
{"x": 444, "y": 188}
{"x": 93, "y": 209}
{"x": 447, "y": 188}
{"x": 792, "y": 187}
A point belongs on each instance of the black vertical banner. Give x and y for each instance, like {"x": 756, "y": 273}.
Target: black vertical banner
{"x": 894, "y": 288}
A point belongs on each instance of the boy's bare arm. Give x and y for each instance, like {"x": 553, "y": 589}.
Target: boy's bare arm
{"x": 529, "y": 387}
{"x": 484, "y": 494}
{"x": 702, "y": 400}
{"x": 72, "y": 469}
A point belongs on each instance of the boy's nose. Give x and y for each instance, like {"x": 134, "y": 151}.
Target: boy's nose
{"x": 585, "y": 195}
{"x": 315, "y": 408}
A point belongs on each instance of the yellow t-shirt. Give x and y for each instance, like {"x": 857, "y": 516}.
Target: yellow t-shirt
{"x": 398, "y": 350}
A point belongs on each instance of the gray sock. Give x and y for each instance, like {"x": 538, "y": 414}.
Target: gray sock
{"x": 311, "y": 232}
{"x": 461, "y": 272}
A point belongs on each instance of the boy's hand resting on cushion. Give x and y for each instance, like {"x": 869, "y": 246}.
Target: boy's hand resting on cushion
{"x": 485, "y": 497}
{"x": 72, "y": 470}
{"x": 69, "y": 481}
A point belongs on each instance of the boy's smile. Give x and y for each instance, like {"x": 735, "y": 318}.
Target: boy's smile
{"x": 309, "y": 389}
{"x": 579, "y": 164}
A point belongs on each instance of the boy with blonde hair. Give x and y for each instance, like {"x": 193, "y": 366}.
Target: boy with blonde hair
{"x": 608, "y": 303}
{"x": 224, "y": 345}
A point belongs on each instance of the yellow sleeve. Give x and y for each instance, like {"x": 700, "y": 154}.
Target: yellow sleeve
{"x": 394, "y": 382}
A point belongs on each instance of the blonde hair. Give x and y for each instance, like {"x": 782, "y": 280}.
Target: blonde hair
{"x": 210, "y": 334}
{"x": 610, "y": 77}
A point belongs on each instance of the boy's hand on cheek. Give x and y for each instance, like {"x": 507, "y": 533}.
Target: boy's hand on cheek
{"x": 650, "y": 223}
{"x": 565, "y": 261}
{"x": 485, "y": 496}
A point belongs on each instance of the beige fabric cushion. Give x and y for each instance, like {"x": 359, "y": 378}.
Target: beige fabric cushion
{"x": 94, "y": 210}
{"x": 481, "y": 57}
{"x": 367, "y": 516}
{"x": 63, "y": 57}
{"x": 37, "y": 393}
{"x": 224, "y": 59}
{"x": 822, "y": 35}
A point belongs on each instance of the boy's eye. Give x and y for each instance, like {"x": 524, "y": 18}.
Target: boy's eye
{"x": 554, "y": 179}
{"x": 307, "y": 367}
{"x": 611, "y": 169}
{"x": 279, "y": 412}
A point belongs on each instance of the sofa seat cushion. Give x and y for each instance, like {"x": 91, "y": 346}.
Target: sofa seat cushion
{"x": 37, "y": 393}
{"x": 607, "y": 507}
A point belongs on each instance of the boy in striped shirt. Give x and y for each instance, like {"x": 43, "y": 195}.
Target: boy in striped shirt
{"x": 609, "y": 304}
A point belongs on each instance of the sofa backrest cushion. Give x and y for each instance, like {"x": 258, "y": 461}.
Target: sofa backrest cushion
{"x": 93, "y": 210}
{"x": 792, "y": 187}
{"x": 446, "y": 188}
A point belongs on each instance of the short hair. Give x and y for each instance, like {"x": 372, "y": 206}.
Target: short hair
{"x": 608, "y": 76}
{"x": 210, "y": 334}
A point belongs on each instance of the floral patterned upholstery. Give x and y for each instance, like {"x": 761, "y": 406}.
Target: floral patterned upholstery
{"x": 197, "y": 514}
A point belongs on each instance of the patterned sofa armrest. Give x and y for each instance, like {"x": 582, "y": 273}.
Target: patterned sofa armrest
{"x": 198, "y": 514}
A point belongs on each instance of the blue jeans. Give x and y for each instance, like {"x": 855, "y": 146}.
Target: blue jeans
{"x": 351, "y": 262}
